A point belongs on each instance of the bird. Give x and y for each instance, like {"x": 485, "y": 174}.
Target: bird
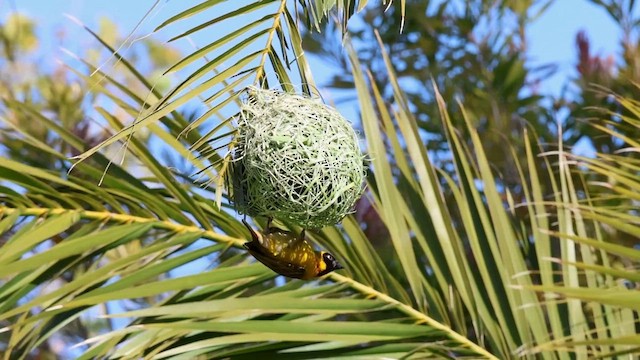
{"x": 289, "y": 255}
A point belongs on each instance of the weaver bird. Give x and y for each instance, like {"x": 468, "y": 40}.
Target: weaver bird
{"x": 289, "y": 255}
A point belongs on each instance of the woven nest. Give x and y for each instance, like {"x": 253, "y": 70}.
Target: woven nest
{"x": 296, "y": 159}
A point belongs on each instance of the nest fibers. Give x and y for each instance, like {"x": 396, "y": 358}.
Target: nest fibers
{"x": 296, "y": 159}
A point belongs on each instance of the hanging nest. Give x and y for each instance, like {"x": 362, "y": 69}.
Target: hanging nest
{"x": 295, "y": 159}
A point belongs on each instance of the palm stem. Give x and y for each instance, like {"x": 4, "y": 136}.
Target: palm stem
{"x": 234, "y": 241}
{"x": 410, "y": 311}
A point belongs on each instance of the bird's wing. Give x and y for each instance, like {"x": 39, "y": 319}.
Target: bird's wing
{"x": 281, "y": 267}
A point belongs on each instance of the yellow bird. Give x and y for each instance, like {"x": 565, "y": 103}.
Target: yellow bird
{"x": 289, "y": 255}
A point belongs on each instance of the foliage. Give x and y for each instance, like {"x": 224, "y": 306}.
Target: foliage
{"x": 146, "y": 266}
{"x": 474, "y": 51}
{"x": 597, "y": 73}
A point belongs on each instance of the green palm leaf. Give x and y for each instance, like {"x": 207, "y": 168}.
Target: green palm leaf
{"x": 149, "y": 266}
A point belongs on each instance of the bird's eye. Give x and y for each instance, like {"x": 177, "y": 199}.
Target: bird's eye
{"x": 328, "y": 258}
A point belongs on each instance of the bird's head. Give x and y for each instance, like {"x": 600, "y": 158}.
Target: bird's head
{"x": 327, "y": 263}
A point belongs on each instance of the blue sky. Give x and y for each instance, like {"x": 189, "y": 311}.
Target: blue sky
{"x": 551, "y": 38}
